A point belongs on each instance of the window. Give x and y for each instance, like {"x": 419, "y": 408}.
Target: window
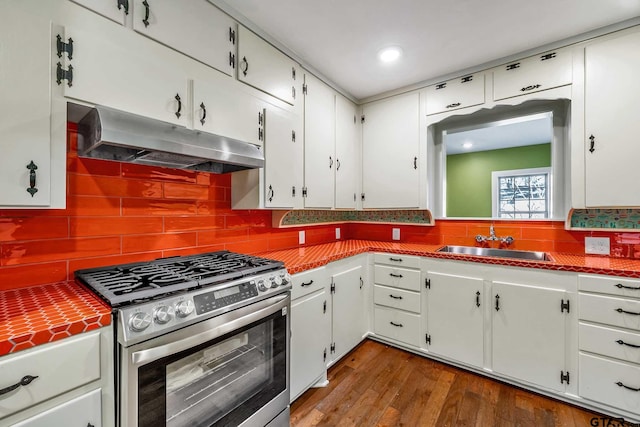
{"x": 521, "y": 193}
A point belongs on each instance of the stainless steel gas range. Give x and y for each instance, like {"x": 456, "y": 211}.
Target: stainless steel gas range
{"x": 201, "y": 340}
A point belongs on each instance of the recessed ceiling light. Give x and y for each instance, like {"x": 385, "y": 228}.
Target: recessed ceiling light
{"x": 467, "y": 145}
{"x": 389, "y": 54}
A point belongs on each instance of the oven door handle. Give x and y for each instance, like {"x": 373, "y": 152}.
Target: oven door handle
{"x": 214, "y": 327}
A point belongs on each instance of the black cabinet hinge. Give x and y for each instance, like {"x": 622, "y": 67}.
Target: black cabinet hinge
{"x": 324, "y": 355}
{"x": 232, "y": 60}
{"x": 232, "y": 35}
{"x": 466, "y": 79}
{"x": 293, "y": 73}
{"x": 293, "y": 191}
{"x": 304, "y": 88}
{"x": 547, "y": 56}
{"x": 427, "y": 338}
{"x": 293, "y": 135}
{"x": 324, "y": 307}
{"x": 362, "y": 118}
{"x": 362, "y": 196}
{"x": 62, "y": 74}
{"x": 564, "y": 305}
{"x": 427, "y": 283}
{"x": 333, "y": 347}
{"x": 304, "y": 191}
{"x": 513, "y": 66}
{"x": 564, "y": 377}
{"x": 125, "y": 4}
{"x": 333, "y": 288}
{"x": 63, "y": 47}
{"x": 441, "y": 86}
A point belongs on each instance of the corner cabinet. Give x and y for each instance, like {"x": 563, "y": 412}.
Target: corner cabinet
{"x": 32, "y": 122}
{"x": 390, "y": 152}
{"x": 611, "y": 121}
{"x": 347, "y": 171}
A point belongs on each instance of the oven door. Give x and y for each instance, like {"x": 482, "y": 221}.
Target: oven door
{"x": 231, "y": 369}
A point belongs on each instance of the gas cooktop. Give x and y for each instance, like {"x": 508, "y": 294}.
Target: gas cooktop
{"x": 141, "y": 281}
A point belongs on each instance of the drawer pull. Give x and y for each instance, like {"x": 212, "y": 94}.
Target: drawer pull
{"x": 399, "y": 325}
{"x": 621, "y": 286}
{"x": 395, "y": 297}
{"x": 26, "y": 380}
{"x": 619, "y": 310}
{"x": 619, "y": 384}
{"x": 395, "y": 259}
{"x": 399, "y": 276}
{"x": 627, "y": 344}
{"x": 478, "y": 299}
{"x": 309, "y": 283}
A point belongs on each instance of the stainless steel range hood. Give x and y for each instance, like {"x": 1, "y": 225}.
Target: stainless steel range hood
{"x": 110, "y": 134}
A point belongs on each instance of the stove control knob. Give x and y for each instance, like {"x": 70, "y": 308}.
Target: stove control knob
{"x": 162, "y": 314}
{"x": 285, "y": 279}
{"x": 277, "y": 281}
{"x": 184, "y": 308}
{"x": 261, "y": 286}
{"x": 139, "y": 321}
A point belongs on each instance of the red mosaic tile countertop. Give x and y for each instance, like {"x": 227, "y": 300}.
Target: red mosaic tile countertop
{"x": 306, "y": 258}
{"x": 41, "y": 314}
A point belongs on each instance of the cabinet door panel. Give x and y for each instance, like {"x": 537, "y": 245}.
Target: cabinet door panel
{"x": 106, "y": 8}
{"x": 455, "y": 94}
{"x": 397, "y": 325}
{"x": 611, "y": 117}
{"x": 319, "y": 143}
{"x": 390, "y": 147}
{"x": 82, "y": 411}
{"x": 454, "y": 318}
{"x": 310, "y": 337}
{"x": 222, "y": 108}
{"x": 528, "y": 333}
{"x": 113, "y": 70}
{"x": 25, "y": 125}
{"x": 349, "y": 319}
{"x": 280, "y": 148}
{"x": 347, "y": 154}
{"x": 264, "y": 67}
{"x": 194, "y": 27}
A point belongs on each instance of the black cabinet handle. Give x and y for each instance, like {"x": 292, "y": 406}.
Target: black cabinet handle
{"x": 330, "y": 162}
{"x": 619, "y": 310}
{"x": 454, "y": 105}
{"x": 25, "y": 381}
{"x": 415, "y": 163}
{"x": 90, "y": 425}
{"x": 270, "y": 193}
{"x": 497, "y": 302}
{"x": 32, "y": 178}
{"x": 478, "y": 299}
{"x": 528, "y": 88}
{"x": 395, "y": 297}
{"x": 396, "y": 275}
{"x": 619, "y": 384}
{"x": 246, "y": 66}
{"x": 145, "y": 21}
{"x": 361, "y": 283}
{"x": 592, "y": 140}
{"x": 204, "y": 113}
{"x": 337, "y": 164}
{"x": 309, "y": 283}
{"x": 398, "y": 325}
{"x": 621, "y": 286}
{"x": 177, "y": 98}
{"x": 627, "y": 344}
{"x": 125, "y": 4}
{"x": 395, "y": 259}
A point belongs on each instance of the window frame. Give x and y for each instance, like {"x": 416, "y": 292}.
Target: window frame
{"x": 495, "y": 196}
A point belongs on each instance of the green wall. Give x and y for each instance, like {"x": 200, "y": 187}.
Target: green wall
{"x": 469, "y": 176}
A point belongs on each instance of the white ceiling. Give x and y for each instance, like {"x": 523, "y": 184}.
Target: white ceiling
{"x": 341, "y": 38}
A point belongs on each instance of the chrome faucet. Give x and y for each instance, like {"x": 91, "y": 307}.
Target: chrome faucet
{"x": 492, "y": 237}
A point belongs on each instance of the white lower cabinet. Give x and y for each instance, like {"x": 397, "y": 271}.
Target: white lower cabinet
{"x": 82, "y": 411}
{"x": 528, "y": 325}
{"x": 348, "y": 308}
{"x": 455, "y": 317}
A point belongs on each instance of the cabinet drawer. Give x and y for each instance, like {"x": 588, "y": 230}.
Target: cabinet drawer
{"x": 398, "y": 325}
{"x": 599, "y": 378}
{"x": 396, "y": 298}
{"x": 308, "y": 281}
{"x": 397, "y": 277}
{"x": 406, "y": 261}
{"x": 59, "y": 367}
{"x": 609, "y": 285}
{"x": 455, "y": 94}
{"x": 610, "y": 311}
{"x": 82, "y": 411}
{"x": 533, "y": 74}
{"x": 610, "y": 342}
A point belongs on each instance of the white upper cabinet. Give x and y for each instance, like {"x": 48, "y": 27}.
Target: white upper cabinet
{"x": 223, "y": 108}
{"x": 264, "y": 67}
{"x": 390, "y": 150}
{"x": 194, "y": 27}
{"x": 112, "y": 9}
{"x": 533, "y": 74}
{"x": 26, "y": 142}
{"x": 454, "y": 94}
{"x": 112, "y": 66}
{"x": 319, "y": 143}
{"x": 611, "y": 121}
{"x": 347, "y": 167}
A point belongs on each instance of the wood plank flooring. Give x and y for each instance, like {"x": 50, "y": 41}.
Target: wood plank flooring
{"x": 378, "y": 385}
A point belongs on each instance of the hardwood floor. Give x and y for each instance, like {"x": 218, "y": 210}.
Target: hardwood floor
{"x": 378, "y": 385}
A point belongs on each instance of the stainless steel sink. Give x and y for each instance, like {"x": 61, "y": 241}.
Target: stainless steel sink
{"x": 499, "y": 253}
